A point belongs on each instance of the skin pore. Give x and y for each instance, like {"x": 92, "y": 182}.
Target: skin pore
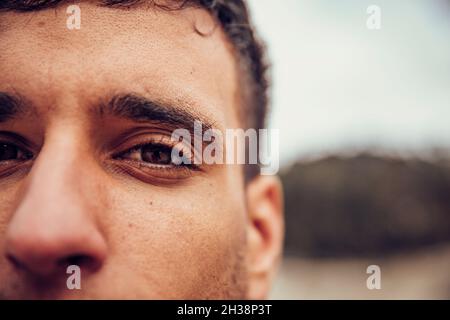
{"x": 83, "y": 181}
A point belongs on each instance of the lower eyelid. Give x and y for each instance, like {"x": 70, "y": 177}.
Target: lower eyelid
{"x": 149, "y": 165}
{"x": 150, "y": 173}
{"x": 9, "y": 168}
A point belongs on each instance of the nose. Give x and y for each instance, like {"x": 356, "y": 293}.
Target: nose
{"x": 54, "y": 224}
{"x": 47, "y": 252}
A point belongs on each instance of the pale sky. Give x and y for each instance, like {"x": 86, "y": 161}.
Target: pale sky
{"x": 338, "y": 84}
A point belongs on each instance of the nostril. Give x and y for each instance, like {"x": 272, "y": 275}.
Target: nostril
{"x": 48, "y": 251}
{"x": 79, "y": 260}
{"x": 76, "y": 259}
{"x": 16, "y": 263}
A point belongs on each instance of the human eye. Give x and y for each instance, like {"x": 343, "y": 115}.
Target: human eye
{"x": 13, "y": 157}
{"x": 155, "y": 154}
{"x": 11, "y": 152}
{"x": 152, "y": 159}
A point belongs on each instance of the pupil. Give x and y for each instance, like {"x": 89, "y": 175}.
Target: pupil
{"x": 157, "y": 154}
{"x": 8, "y": 152}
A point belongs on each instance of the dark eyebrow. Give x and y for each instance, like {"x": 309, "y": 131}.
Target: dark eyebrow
{"x": 10, "y": 106}
{"x": 138, "y": 108}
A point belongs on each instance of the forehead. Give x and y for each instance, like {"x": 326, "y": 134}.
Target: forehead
{"x": 144, "y": 50}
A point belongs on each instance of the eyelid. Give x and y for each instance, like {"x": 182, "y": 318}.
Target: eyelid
{"x": 16, "y": 139}
{"x": 139, "y": 141}
{"x": 28, "y": 149}
{"x": 151, "y": 174}
{"x": 135, "y": 144}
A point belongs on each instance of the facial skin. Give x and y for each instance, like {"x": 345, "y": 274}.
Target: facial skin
{"x": 77, "y": 188}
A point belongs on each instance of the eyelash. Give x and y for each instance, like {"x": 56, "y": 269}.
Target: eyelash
{"x": 26, "y": 154}
{"x": 155, "y": 143}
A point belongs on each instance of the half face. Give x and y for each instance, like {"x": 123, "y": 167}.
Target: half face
{"x": 85, "y": 123}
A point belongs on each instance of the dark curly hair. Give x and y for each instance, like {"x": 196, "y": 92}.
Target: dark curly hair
{"x": 233, "y": 17}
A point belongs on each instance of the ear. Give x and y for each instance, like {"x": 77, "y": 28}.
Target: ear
{"x": 265, "y": 233}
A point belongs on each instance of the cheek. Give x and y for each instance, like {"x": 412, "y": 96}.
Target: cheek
{"x": 9, "y": 190}
{"x": 181, "y": 241}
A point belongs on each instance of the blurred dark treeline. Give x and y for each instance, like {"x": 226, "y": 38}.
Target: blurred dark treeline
{"x": 365, "y": 205}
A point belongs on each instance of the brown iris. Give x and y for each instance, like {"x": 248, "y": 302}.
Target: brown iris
{"x": 157, "y": 154}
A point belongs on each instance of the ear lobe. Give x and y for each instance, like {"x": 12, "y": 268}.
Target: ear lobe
{"x": 265, "y": 233}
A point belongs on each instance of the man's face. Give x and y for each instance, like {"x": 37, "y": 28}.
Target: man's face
{"x": 83, "y": 173}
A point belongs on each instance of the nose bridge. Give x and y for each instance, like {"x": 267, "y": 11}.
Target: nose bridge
{"x": 60, "y": 172}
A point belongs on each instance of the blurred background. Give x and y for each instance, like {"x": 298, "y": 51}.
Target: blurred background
{"x": 364, "y": 119}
